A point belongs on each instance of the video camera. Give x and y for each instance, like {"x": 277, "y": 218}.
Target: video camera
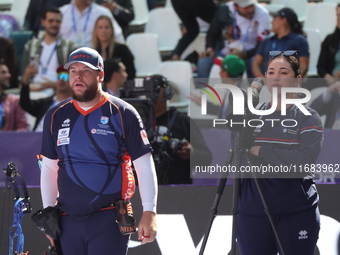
{"x": 140, "y": 94}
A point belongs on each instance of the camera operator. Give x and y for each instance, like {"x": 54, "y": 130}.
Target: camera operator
{"x": 173, "y": 144}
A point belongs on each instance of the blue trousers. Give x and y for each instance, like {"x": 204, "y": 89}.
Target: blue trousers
{"x": 298, "y": 232}
{"x": 204, "y": 66}
{"x": 98, "y": 234}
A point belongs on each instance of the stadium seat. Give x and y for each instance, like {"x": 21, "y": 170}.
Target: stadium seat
{"x": 179, "y": 73}
{"x": 197, "y": 45}
{"x": 20, "y": 38}
{"x": 141, "y": 11}
{"x": 314, "y": 42}
{"x": 144, "y": 49}
{"x": 165, "y": 23}
{"x": 321, "y": 16}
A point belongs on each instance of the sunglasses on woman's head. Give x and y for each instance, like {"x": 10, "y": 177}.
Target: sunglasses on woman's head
{"x": 275, "y": 53}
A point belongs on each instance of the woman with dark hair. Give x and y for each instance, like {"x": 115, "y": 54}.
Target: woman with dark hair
{"x": 103, "y": 40}
{"x": 329, "y": 58}
{"x": 291, "y": 196}
{"x": 288, "y": 35}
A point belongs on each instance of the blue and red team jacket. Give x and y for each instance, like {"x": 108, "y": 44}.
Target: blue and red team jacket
{"x": 94, "y": 149}
{"x": 295, "y": 148}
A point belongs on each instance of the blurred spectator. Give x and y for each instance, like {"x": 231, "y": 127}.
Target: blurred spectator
{"x": 104, "y": 41}
{"x": 122, "y": 11}
{"x": 329, "y": 104}
{"x": 12, "y": 117}
{"x": 172, "y": 156}
{"x": 35, "y": 11}
{"x": 232, "y": 69}
{"x": 288, "y": 36}
{"x": 42, "y": 56}
{"x": 188, "y": 11}
{"x": 251, "y": 18}
{"x": 9, "y": 57}
{"x": 115, "y": 76}
{"x": 329, "y": 58}
{"x": 79, "y": 18}
{"x": 39, "y": 107}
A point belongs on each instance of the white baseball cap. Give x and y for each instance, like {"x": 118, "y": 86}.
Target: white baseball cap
{"x": 245, "y": 3}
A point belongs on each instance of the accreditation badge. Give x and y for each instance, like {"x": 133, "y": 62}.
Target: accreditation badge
{"x": 80, "y": 38}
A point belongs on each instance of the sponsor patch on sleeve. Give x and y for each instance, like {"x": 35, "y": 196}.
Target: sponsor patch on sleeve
{"x": 63, "y": 141}
{"x": 144, "y": 137}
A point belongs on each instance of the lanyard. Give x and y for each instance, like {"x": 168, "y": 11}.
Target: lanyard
{"x": 44, "y": 68}
{"x": 235, "y": 29}
{"x": 86, "y": 21}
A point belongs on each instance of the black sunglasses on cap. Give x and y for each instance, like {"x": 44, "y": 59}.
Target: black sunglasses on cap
{"x": 275, "y": 53}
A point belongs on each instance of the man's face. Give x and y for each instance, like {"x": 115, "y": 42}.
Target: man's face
{"x": 84, "y": 2}
{"x": 121, "y": 75}
{"x": 84, "y": 82}
{"x": 4, "y": 76}
{"x": 52, "y": 23}
{"x": 247, "y": 12}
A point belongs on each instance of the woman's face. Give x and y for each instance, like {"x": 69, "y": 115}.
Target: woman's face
{"x": 104, "y": 30}
{"x": 277, "y": 23}
{"x": 280, "y": 74}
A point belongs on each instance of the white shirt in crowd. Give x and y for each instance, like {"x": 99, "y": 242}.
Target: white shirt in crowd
{"x": 78, "y": 26}
{"x": 253, "y": 30}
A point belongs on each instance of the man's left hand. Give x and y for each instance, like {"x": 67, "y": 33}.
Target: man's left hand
{"x": 147, "y": 228}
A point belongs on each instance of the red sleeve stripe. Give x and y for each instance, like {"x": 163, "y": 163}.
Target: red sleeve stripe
{"x": 275, "y": 139}
{"x": 319, "y": 128}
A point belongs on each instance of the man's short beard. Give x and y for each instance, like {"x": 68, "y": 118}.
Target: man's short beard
{"x": 87, "y": 96}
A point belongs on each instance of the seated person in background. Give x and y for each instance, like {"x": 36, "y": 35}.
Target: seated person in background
{"x": 44, "y": 55}
{"x": 39, "y": 107}
{"x": 232, "y": 70}
{"x": 122, "y": 11}
{"x": 232, "y": 45}
{"x": 12, "y": 117}
{"x": 329, "y": 104}
{"x": 79, "y": 18}
{"x": 288, "y": 36}
{"x": 115, "y": 76}
{"x": 8, "y": 55}
{"x": 104, "y": 41}
{"x": 253, "y": 21}
{"x": 172, "y": 158}
{"x": 35, "y": 11}
{"x": 329, "y": 58}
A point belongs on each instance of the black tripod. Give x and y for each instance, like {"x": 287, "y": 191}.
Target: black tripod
{"x": 236, "y": 153}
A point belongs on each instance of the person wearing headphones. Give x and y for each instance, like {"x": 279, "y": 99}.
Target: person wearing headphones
{"x": 177, "y": 139}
